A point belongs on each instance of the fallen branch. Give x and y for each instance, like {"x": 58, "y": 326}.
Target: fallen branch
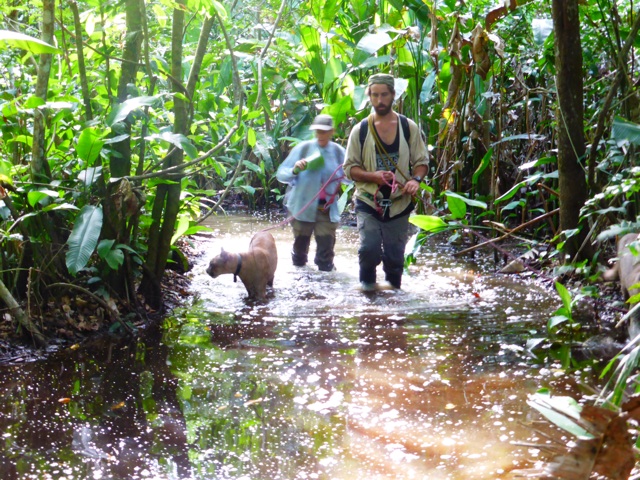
{"x": 22, "y": 318}
{"x": 508, "y": 234}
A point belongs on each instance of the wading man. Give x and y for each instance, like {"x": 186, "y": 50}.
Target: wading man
{"x": 387, "y": 159}
{"x": 313, "y": 172}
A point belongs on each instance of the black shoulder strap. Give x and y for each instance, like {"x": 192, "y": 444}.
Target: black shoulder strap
{"x": 364, "y": 129}
{"x": 404, "y": 121}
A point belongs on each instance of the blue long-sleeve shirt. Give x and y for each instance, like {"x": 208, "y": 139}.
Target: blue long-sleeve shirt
{"x": 306, "y": 184}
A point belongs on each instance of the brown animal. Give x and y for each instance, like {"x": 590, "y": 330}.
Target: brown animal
{"x": 256, "y": 267}
{"x": 627, "y": 271}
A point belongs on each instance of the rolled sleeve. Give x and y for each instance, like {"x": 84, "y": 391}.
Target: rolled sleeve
{"x": 418, "y": 153}
{"x": 353, "y": 156}
{"x": 285, "y": 171}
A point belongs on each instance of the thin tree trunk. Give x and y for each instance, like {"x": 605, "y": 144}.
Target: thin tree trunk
{"x": 117, "y": 219}
{"x": 571, "y": 141}
{"x": 20, "y": 316}
{"x": 121, "y": 164}
{"x": 40, "y": 171}
{"x": 81, "y": 67}
{"x": 167, "y": 201}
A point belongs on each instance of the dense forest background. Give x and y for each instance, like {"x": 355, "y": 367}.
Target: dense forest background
{"x": 125, "y": 123}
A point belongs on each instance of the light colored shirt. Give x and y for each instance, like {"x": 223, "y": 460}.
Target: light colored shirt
{"x": 410, "y": 155}
{"x": 304, "y": 194}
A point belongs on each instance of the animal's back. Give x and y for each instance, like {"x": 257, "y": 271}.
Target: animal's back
{"x": 264, "y": 241}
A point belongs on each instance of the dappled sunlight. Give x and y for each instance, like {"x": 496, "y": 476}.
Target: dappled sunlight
{"x": 320, "y": 381}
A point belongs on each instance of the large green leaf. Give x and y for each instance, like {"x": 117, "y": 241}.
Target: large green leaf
{"x": 469, "y": 201}
{"x": 419, "y": 8}
{"x": 178, "y": 140}
{"x": 623, "y": 130}
{"x": 37, "y": 196}
{"x": 486, "y": 161}
{"x": 373, "y": 42}
{"x": 428, "y": 223}
{"x": 84, "y": 238}
{"x": 89, "y": 145}
{"x": 564, "y": 295}
{"x": 121, "y": 111}
{"x": 20, "y": 40}
{"x": 325, "y": 12}
{"x": 456, "y": 205}
{"x": 564, "y": 412}
{"x": 340, "y": 110}
{"x": 311, "y": 41}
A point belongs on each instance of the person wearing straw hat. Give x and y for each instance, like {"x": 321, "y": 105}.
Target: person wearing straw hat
{"x": 313, "y": 171}
{"x": 387, "y": 159}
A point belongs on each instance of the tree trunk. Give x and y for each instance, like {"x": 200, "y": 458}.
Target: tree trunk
{"x": 40, "y": 171}
{"x": 119, "y": 217}
{"x": 121, "y": 164}
{"x": 570, "y": 118}
{"x": 86, "y": 97}
{"x": 167, "y": 201}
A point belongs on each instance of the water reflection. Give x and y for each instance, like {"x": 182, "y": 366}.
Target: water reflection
{"x": 321, "y": 382}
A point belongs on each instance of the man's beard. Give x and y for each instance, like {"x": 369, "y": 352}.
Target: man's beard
{"x": 383, "y": 110}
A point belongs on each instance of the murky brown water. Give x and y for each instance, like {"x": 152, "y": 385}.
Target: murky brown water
{"x": 321, "y": 382}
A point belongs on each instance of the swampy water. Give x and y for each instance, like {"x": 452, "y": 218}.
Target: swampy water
{"x": 323, "y": 381}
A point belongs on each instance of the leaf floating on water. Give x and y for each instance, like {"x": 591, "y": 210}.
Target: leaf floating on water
{"x": 602, "y": 443}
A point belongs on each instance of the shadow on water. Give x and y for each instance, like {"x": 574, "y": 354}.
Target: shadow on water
{"x": 321, "y": 382}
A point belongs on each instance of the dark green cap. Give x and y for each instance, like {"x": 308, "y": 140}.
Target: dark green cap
{"x": 381, "y": 79}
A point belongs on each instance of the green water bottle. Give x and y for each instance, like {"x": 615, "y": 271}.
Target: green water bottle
{"x": 315, "y": 161}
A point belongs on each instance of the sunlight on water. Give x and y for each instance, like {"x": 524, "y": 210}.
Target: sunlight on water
{"x": 322, "y": 381}
{"x": 426, "y": 382}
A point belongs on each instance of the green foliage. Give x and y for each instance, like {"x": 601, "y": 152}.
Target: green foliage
{"x": 564, "y": 412}
{"x": 84, "y": 238}
{"x": 491, "y": 133}
{"x": 26, "y": 42}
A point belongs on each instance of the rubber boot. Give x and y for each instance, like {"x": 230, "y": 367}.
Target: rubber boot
{"x": 324, "y": 253}
{"x": 300, "y": 250}
{"x": 394, "y": 279}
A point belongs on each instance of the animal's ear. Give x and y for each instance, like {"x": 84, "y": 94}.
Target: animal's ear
{"x": 222, "y": 250}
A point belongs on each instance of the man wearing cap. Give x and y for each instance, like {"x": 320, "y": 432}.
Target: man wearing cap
{"x": 313, "y": 173}
{"x": 387, "y": 159}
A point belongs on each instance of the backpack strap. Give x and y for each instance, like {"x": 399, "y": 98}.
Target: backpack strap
{"x": 405, "y": 128}
{"x": 364, "y": 129}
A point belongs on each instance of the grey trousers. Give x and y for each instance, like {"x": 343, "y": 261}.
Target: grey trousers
{"x": 382, "y": 242}
{"x": 324, "y": 231}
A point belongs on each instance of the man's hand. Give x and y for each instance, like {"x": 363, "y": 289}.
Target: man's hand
{"x": 383, "y": 177}
{"x": 299, "y": 166}
{"x": 411, "y": 187}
